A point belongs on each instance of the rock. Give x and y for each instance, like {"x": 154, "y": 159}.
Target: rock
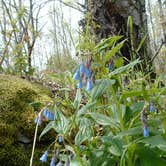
{"x": 17, "y": 118}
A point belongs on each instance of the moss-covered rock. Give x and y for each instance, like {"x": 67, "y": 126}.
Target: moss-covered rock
{"x": 17, "y": 116}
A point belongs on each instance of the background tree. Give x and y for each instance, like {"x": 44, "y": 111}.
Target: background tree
{"x": 20, "y": 30}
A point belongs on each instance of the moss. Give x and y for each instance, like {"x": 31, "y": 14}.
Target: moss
{"x": 13, "y": 155}
{"x": 17, "y": 115}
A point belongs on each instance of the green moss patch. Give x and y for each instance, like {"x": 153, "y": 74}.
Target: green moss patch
{"x": 17, "y": 116}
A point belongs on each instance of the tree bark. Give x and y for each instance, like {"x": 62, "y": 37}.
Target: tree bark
{"x": 156, "y": 21}
{"x": 111, "y": 19}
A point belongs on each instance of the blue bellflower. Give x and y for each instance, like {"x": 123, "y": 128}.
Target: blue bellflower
{"x": 110, "y": 67}
{"x": 82, "y": 68}
{"x": 43, "y": 158}
{"x": 151, "y": 107}
{"x": 89, "y": 85}
{"x": 38, "y": 120}
{"x": 49, "y": 115}
{"x": 52, "y": 163}
{"x": 76, "y": 75}
{"x": 88, "y": 73}
{"x": 79, "y": 84}
{"x": 60, "y": 139}
{"x": 145, "y": 132}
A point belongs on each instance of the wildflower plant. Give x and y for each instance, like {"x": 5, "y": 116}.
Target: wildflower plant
{"x": 108, "y": 122}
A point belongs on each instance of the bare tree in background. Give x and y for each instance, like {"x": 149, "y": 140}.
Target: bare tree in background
{"x": 20, "y": 29}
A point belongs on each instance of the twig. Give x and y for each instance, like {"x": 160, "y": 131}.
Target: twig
{"x": 157, "y": 52}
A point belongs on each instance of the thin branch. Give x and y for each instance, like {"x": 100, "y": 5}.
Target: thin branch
{"x": 157, "y": 52}
{"x": 66, "y": 4}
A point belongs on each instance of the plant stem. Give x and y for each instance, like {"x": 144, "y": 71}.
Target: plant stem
{"x": 34, "y": 143}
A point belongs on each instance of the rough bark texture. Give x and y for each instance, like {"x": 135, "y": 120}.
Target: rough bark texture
{"x": 156, "y": 21}
{"x": 111, "y": 17}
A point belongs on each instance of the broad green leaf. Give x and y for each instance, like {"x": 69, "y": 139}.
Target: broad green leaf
{"x": 155, "y": 141}
{"x": 104, "y": 120}
{"x": 125, "y": 68}
{"x": 100, "y": 87}
{"x": 137, "y": 107}
{"x": 77, "y": 100}
{"x": 61, "y": 123}
{"x": 115, "y": 145}
{"x": 49, "y": 126}
{"x": 85, "y": 131}
{"x": 148, "y": 156}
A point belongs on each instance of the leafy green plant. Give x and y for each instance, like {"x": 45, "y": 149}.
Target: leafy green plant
{"x": 111, "y": 124}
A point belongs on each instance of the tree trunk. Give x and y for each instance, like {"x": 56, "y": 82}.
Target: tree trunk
{"x": 111, "y": 18}
{"x": 156, "y": 21}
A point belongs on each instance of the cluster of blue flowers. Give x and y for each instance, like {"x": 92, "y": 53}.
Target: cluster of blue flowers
{"x": 47, "y": 114}
{"x": 54, "y": 161}
{"x": 44, "y": 157}
{"x": 84, "y": 73}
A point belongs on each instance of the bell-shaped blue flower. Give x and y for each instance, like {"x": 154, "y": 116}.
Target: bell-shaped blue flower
{"x": 43, "y": 158}
{"x": 82, "y": 68}
{"x": 49, "y": 115}
{"x": 52, "y": 163}
{"x": 76, "y": 75}
{"x": 110, "y": 67}
{"x": 151, "y": 107}
{"x": 89, "y": 85}
{"x": 79, "y": 84}
{"x": 145, "y": 132}
{"x": 60, "y": 139}
{"x": 88, "y": 72}
{"x": 38, "y": 120}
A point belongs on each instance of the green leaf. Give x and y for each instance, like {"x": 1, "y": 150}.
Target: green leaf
{"x": 104, "y": 120}
{"x": 113, "y": 51}
{"x": 148, "y": 157}
{"x": 155, "y": 141}
{"x": 106, "y": 43}
{"x": 85, "y": 131}
{"x": 125, "y": 68}
{"x": 115, "y": 145}
{"x": 86, "y": 107}
{"x": 77, "y": 100}
{"x": 49, "y": 126}
{"x": 130, "y": 132}
{"x": 61, "y": 123}
{"x": 100, "y": 87}
{"x": 118, "y": 62}
{"x": 137, "y": 107}
{"x": 141, "y": 43}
